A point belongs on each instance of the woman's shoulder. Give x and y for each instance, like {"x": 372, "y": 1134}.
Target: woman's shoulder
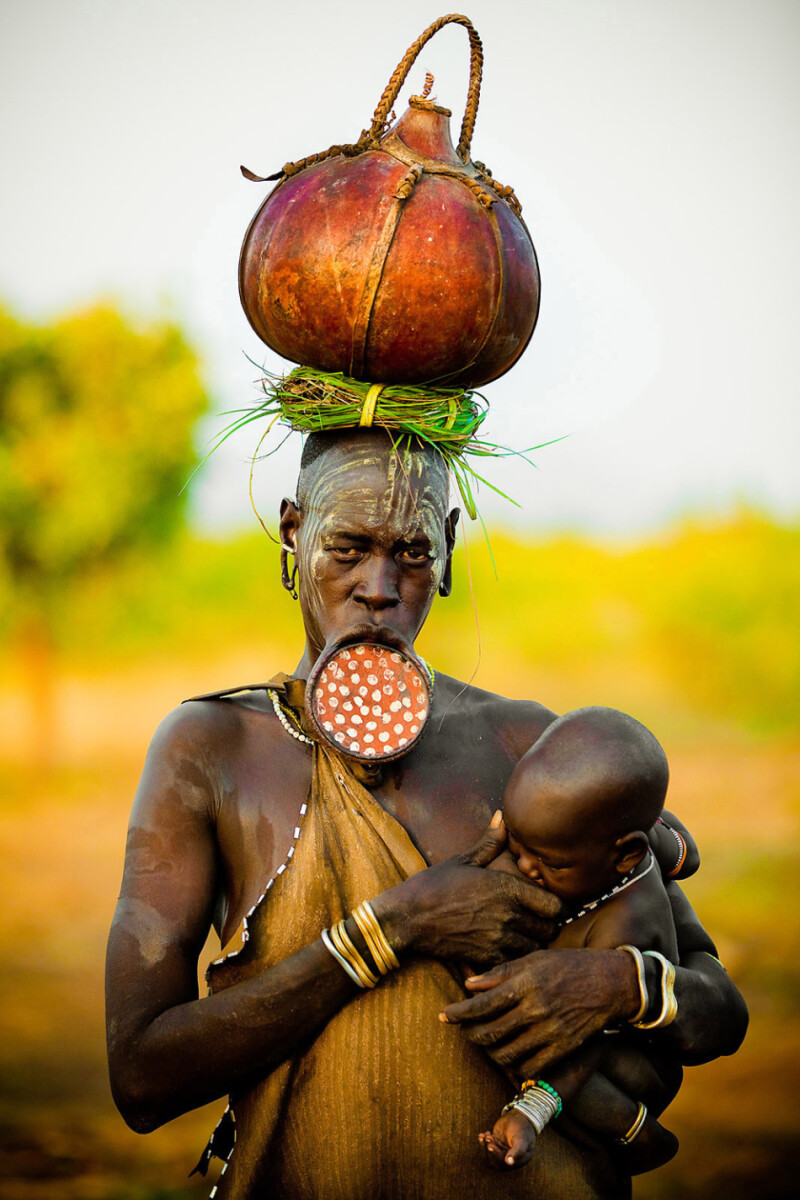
{"x": 518, "y": 722}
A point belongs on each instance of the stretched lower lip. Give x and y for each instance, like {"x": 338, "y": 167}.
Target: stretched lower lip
{"x": 372, "y": 634}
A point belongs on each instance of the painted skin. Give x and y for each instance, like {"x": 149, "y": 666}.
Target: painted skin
{"x": 373, "y": 552}
{"x": 217, "y": 804}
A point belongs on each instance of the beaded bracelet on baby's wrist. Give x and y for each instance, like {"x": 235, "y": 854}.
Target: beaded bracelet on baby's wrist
{"x": 538, "y": 1101}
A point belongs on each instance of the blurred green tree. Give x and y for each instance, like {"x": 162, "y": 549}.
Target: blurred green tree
{"x": 96, "y": 420}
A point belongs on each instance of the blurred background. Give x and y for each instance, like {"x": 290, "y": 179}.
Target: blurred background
{"x": 653, "y": 563}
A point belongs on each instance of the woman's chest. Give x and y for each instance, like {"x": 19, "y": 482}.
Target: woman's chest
{"x": 443, "y": 796}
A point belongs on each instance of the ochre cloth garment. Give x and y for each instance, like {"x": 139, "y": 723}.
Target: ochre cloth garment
{"x": 386, "y": 1102}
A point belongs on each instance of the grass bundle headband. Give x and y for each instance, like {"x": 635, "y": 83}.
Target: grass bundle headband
{"x": 448, "y": 419}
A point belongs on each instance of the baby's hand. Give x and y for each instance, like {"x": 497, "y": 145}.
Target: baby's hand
{"x": 512, "y": 1141}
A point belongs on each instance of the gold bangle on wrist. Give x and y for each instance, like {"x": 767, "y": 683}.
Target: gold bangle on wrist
{"x": 341, "y": 960}
{"x": 339, "y": 943}
{"x": 376, "y": 941}
{"x": 669, "y": 1003}
{"x": 644, "y": 999}
{"x": 388, "y": 952}
{"x": 342, "y": 942}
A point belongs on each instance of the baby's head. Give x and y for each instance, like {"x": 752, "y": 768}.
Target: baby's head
{"x": 580, "y": 802}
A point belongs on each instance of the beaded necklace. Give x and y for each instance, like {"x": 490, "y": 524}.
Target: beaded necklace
{"x": 293, "y": 729}
{"x": 280, "y": 713}
{"x": 626, "y": 882}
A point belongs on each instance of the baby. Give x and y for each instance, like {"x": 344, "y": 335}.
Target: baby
{"x": 577, "y": 809}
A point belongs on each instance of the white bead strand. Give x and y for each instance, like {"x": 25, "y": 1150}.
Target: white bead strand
{"x": 284, "y": 720}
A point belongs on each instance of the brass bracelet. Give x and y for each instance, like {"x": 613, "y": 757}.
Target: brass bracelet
{"x": 636, "y": 1127}
{"x": 669, "y": 1003}
{"x": 368, "y": 922}
{"x": 341, "y": 960}
{"x": 644, "y": 999}
{"x": 342, "y": 942}
{"x": 374, "y": 944}
{"x": 381, "y": 937}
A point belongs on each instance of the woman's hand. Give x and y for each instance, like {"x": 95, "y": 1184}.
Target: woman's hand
{"x": 530, "y": 1013}
{"x": 457, "y": 910}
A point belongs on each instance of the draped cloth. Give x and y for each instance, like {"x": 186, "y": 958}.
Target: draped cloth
{"x": 386, "y": 1102}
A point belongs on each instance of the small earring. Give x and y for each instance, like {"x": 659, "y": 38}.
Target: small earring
{"x": 289, "y": 583}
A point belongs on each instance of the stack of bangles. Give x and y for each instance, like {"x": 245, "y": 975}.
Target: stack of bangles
{"x": 341, "y": 946}
{"x": 682, "y": 848}
{"x": 669, "y": 1003}
{"x": 538, "y": 1101}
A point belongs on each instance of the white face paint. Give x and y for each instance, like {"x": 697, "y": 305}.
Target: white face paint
{"x": 371, "y": 547}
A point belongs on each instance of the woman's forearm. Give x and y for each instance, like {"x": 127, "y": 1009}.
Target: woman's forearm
{"x": 195, "y": 1050}
{"x": 712, "y": 1016}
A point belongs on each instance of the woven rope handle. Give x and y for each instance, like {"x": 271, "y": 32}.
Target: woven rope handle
{"x": 387, "y": 100}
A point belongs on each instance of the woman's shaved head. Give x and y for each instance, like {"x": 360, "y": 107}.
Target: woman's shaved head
{"x": 374, "y": 445}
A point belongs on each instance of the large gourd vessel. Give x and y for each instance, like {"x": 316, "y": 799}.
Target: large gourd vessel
{"x": 397, "y": 258}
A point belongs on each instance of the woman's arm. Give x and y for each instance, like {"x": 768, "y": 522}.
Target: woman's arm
{"x": 168, "y": 1050}
{"x": 171, "y": 1051}
{"x": 678, "y": 857}
{"x": 539, "y": 1008}
{"x": 712, "y": 1015}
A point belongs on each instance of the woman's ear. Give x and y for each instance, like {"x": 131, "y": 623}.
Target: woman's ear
{"x": 629, "y": 850}
{"x": 446, "y": 586}
{"x": 290, "y": 523}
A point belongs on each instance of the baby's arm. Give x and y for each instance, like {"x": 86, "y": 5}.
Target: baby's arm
{"x": 512, "y": 1140}
{"x": 596, "y": 1082}
{"x": 602, "y": 1102}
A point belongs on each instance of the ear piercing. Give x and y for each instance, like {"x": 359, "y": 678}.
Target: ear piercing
{"x": 289, "y": 582}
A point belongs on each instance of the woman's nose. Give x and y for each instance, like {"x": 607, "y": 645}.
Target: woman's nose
{"x": 377, "y": 586}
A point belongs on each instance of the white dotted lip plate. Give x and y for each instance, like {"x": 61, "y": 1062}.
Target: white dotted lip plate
{"x": 370, "y": 701}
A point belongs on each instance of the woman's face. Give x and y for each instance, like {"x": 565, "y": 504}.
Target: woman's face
{"x": 371, "y": 543}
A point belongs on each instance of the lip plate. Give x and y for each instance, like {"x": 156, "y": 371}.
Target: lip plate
{"x": 410, "y": 662}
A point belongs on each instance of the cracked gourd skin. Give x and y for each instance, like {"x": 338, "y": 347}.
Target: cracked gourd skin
{"x": 401, "y": 264}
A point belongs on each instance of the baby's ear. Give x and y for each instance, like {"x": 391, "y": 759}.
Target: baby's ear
{"x": 629, "y": 850}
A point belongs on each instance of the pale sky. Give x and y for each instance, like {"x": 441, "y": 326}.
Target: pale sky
{"x": 653, "y": 144}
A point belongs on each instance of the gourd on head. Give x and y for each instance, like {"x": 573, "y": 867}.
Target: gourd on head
{"x": 396, "y": 258}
